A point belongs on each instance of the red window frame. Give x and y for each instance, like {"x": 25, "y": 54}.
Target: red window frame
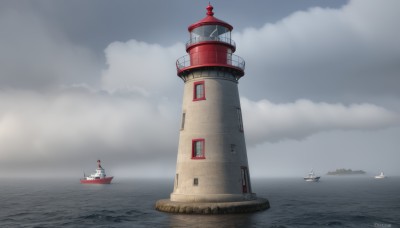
{"x": 203, "y": 155}
{"x": 195, "y": 84}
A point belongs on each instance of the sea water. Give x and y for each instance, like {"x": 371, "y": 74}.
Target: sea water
{"x": 332, "y": 202}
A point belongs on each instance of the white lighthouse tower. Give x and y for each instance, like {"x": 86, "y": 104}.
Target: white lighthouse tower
{"x": 212, "y": 172}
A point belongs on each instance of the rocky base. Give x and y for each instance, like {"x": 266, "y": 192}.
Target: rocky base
{"x": 167, "y": 205}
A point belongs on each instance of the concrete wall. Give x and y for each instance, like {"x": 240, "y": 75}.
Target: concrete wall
{"x": 214, "y": 119}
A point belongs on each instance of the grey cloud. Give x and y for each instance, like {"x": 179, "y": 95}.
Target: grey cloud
{"x": 67, "y": 129}
{"x": 326, "y": 56}
{"x": 333, "y": 55}
{"x": 35, "y": 55}
{"x": 269, "y": 122}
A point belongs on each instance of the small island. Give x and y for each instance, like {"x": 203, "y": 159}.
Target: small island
{"x": 345, "y": 172}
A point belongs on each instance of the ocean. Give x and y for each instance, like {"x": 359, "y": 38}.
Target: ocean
{"x": 332, "y": 202}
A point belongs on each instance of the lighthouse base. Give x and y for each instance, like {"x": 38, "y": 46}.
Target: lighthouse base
{"x": 167, "y": 205}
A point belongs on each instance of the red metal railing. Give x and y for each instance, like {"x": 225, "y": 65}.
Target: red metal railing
{"x": 213, "y": 58}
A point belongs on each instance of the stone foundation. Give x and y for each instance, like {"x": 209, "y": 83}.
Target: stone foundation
{"x": 167, "y": 205}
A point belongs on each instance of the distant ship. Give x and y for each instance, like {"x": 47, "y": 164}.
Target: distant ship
{"x": 380, "y": 176}
{"x": 341, "y": 172}
{"x": 97, "y": 178}
{"x": 312, "y": 177}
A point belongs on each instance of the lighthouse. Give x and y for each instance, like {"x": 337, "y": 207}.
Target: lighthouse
{"x": 212, "y": 171}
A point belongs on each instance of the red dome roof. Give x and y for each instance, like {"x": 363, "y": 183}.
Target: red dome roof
{"x": 209, "y": 20}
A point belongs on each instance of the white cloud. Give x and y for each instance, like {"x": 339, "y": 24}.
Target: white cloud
{"x": 325, "y": 53}
{"x": 139, "y": 66}
{"x": 55, "y": 129}
{"x": 39, "y": 130}
{"x": 317, "y": 54}
{"x": 269, "y": 122}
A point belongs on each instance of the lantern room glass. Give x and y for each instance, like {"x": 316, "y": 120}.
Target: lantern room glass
{"x": 210, "y": 33}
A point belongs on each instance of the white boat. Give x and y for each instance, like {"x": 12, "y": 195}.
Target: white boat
{"x": 380, "y": 176}
{"x": 312, "y": 177}
{"x": 99, "y": 177}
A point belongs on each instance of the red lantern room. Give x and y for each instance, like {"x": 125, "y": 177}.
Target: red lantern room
{"x": 210, "y": 47}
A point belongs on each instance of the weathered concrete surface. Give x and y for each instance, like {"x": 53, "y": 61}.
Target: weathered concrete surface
{"x": 167, "y": 205}
{"x": 216, "y": 121}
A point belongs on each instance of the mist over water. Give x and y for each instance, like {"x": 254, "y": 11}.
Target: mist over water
{"x": 332, "y": 202}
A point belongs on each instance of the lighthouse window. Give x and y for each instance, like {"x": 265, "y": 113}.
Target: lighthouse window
{"x": 183, "y": 121}
{"x": 233, "y": 148}
{"x": 196, "y": 181}
{"x": 198, "y": 149}
{"x": 199, "y": 92}
{"x": 210, "y": 33}
{"x": 240, "y": 121}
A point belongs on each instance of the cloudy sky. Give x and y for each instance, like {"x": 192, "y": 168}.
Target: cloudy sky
{"x": 96, "y": 79}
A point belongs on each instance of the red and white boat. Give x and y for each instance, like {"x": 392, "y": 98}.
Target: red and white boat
{"x": 97, "y": 178}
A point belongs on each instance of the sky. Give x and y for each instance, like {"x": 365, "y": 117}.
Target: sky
{"x": 96, "y": 79}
